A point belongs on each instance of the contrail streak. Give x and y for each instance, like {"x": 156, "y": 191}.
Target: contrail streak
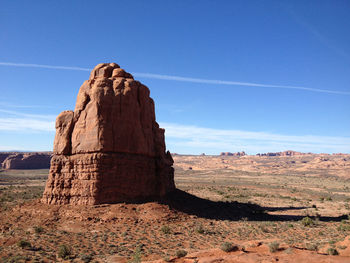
{"x": 233, "y": 83}
{"x": 42, "y": 66}
{"x": 185, "y": 79}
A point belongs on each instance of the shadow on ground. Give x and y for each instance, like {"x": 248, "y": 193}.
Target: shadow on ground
{"x": 204, "y": 208}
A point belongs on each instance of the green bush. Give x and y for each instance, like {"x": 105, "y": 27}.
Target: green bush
{"x": 38, "y": 229}
{"x": 64, "y": 252}
{"x": 24, "y": 244}
{"x": 332, "y": 251}
{"x": 228, "y": 247}
{"x": 274, "y": 246}
{"x": 312, "y": 246}
{"x": 86, "y": 258}
{"x": 165, "y": 229}
{"x": 136, "y": 257}
{"x": 307, "y": 221}
{"x": 181, "y": 253}
{"x": 200, "y": 229}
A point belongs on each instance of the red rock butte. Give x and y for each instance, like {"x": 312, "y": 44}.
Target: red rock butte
{"x": 110, "y": 149}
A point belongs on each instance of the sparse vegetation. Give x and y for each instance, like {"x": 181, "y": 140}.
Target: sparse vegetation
{"x": 64, "y": 252}
{"x": 136, "y": 257}
{"x": 200, "y": 229}
{"x": 165, "y": 229}
{"x": 38, "y": 229}
{"x": 181, "y": 253}
{"x": 307, "y": 221}
{"x": 228, "y": 247}
{"x": 24, "y": 244}
{"x": 332, "y": 251}
{"x": 274, "y": 246}
{"x": 312, "y": 246}
{"x": 247, "y": 193}
{"x": 86, "y": 258}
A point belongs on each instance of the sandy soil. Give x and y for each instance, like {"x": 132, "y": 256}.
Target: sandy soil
{"x": 286, "y": 209}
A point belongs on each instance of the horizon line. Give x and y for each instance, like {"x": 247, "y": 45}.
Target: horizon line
{"x": 200, "y": 154}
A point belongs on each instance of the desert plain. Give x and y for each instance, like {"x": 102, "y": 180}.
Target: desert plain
{"x": 226, "y": 209}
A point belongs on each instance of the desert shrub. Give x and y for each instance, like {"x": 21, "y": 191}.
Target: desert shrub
{"x": 38, "y": 229}
{"x": 200, "y": 229}
{"x": 343, "y": 227}
{"x": 167, "y": 259}
{"x": 228, "y": 247}
{"x": 312, "y": 246}
{"x": 289, "y": 250}
{"x": 332, "y": 251}
{"x": 86, "y": 258}
{"x": 64, "y": 252}
{"x": 165, "y": 229}
{"x": 274, "y": 246}
{"x": 307, "y": 221}
{"x": 24, "y": 244}
{"x": 136, "y": 257}
{"x": 181, "y": 253}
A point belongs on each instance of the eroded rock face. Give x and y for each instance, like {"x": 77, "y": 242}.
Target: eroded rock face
{"x": 27, "y": 161}
{"x": 3, "y": 156}
{"x": 110, "y": 149}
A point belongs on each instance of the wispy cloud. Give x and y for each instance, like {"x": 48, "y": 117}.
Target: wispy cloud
{"x": 234, "y": 83}
{"x": 11, "y": 120}
{"x": 12, "y": 105}
{"x": 194, "y": 139}
{"x": 42, "y": 66}
{"x": 187, "y": 79}
{"x": 25, "y": 125}
{"x": 328, "y": 42}
{"x": 6, "y": 148}
{"x": 38, "y": 116}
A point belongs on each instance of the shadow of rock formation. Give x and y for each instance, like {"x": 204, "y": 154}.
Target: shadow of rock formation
{"x": 192, "y": 205}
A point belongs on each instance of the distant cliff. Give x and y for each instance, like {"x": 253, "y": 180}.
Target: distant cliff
{"x": 285, "y": 153}
{"x": 15, "y": 160}
{"x": 232, "y": 154}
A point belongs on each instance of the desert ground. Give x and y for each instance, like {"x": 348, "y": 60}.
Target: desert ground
{"x": 226, "y": 209}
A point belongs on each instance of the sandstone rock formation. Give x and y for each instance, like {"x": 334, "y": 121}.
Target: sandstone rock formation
{"x": 110, "y": 149}
{"x": 285, "y": 153}
{"x": 25, "y": 160}
{"x": 233, "y": 154}
{"x": 3, "y": 156}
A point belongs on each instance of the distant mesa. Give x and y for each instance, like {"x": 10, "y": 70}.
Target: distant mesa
{"x": 233, "y": 154}
{"x": 110, "y": 148}
{"x": 15, "y": 160}
{"x": 285, "y": 153}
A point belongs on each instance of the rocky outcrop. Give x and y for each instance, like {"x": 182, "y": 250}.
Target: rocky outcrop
{"x": 233, "y": 154}
{"x": 3, "y": 156}
{"x": 285, "y": 153}
{"x": 27, "y": 161}
{"x": 110, "y": 149}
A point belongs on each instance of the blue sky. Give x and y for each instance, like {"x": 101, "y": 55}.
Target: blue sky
{"x": 250, "y": 75}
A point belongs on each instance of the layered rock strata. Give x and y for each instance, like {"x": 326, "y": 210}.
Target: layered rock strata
{"x": 110, "y": 149}
{"x": 27, "y": 161}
